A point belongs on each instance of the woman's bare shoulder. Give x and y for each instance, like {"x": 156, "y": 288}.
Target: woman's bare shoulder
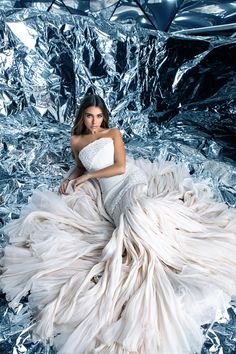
{"x": 76, "y": 146}
{"x": 115, "y": 132}
{"x": 75, "y": 142}
{"x": 117, "y": 138}
{"x": 75, "y": 137}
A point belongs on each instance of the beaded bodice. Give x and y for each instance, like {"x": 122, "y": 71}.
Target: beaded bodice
{"x": 100, "y": 154}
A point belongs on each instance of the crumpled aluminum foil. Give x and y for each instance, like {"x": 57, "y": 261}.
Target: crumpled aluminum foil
{"x": 198, "y": 16}
{"x": 172, "y": 95}
{"x": 205, "y": 17}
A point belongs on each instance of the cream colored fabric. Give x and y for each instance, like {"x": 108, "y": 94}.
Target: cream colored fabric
{"x": 129, "y": 264}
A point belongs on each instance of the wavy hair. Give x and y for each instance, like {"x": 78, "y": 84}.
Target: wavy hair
{"x": 89, "y": 101}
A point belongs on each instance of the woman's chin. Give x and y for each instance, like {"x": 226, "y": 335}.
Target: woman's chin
{"x": 95, "y": 130}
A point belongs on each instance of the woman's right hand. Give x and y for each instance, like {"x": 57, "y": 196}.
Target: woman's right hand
{"x": 63, "y": 186}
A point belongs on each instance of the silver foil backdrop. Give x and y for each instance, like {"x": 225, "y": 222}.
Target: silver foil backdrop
{"x": 171, "y": 93}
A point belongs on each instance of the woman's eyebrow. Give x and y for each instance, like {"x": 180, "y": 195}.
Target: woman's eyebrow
{"x": 99, "y": 114}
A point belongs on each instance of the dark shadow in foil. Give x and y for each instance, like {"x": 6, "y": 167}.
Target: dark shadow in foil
{"x": 173, "y": 98}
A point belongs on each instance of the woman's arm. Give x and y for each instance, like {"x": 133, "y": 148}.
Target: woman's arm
{"x": 77, "y": 171}
{"x": 117, "y": 168}
{"x": 79, "y": 168}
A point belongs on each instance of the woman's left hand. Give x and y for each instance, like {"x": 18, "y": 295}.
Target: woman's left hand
{"x": 79, "y": 180}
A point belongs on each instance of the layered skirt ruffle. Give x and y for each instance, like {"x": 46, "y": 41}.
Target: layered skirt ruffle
{"x": 144, "y": 285}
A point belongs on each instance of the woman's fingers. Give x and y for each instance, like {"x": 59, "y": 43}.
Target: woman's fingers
{"x": 62, "y": 188}
{"x": 80, "y": 180}
{"x": 75, "y": 185}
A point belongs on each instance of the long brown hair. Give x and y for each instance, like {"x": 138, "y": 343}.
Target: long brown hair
{"x": 89, "y": 101}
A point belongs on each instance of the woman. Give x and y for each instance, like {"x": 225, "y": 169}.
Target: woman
{"x": 91, "y": 124}
{"x": 132, "y": 257}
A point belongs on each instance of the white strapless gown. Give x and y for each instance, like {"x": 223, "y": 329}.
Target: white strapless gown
{"x": 129, "y": 264}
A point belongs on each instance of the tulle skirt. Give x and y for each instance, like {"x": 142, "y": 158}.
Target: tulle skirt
{"x": 143, "y": 283}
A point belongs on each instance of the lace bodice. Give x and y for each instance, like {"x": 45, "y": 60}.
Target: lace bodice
{"x": 100, "y": 154}
{"x": 91, "y": 155}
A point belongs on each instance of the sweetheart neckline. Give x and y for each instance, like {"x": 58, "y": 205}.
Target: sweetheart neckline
{"x": 93, "y": 142}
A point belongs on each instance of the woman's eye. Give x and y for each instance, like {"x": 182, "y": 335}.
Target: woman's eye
{"x": 90, "y": 116}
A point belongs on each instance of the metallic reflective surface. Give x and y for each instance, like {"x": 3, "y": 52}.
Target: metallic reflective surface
{"x": 148, "y": 14}
{"x": 205, "y": 14}
{"x": 173, "y": 96}
{"x": 198, "y": 16}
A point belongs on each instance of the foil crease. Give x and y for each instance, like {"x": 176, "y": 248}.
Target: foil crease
{"x": 172, "y": 95}
{"x": 199, "y": 16}
{"x": 205, "y": 16}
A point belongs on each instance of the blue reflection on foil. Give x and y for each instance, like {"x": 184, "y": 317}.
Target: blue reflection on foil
{"x": 173, "y": 96}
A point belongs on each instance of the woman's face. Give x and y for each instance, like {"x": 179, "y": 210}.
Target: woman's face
{"x": 93, "y": 118}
